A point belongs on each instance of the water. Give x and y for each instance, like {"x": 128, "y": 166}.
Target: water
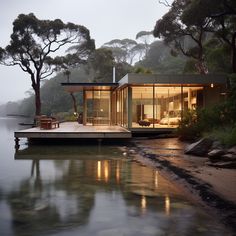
{"x": 89, "y": 190}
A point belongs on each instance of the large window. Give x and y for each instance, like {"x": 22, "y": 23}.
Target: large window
{"x": 97, "y": 108}
{"x": 122, "y": 107}
{"x": 142, "y": 106}
{"x": 168, "y": 106}
{"x": 158, "y": 106}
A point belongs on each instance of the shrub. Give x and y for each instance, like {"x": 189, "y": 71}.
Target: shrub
{"x": 188, "y": 126}
{"x": 195, "y": 123}
{"x": 227, "y": 135}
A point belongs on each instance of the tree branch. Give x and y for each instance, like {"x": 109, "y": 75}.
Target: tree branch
{"x": 165, "y": 3}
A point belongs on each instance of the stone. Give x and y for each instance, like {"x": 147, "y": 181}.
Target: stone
{"x": 217, "y": 145}
{"x": 216, "y": 153}
{"x": 199, "y": 148}
{"x": 229, "y": 157}
{"x": 232, "y": 150}
{"x": 224, "y": 164}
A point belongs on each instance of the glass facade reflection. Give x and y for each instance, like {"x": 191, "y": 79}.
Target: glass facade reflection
{"x": 157, "y": 106}
{"x": 97, "y": 107}
{"x": 141, "y": 101}
{"x": 147, "y": 106}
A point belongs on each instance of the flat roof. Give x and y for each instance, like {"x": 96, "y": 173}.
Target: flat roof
{"x": 186, "y": 79}
{"x": 150, "y": 79}
{"x": 72, "y": 87}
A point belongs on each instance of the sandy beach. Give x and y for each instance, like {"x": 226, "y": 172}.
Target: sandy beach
{"x": 212, "y": 187}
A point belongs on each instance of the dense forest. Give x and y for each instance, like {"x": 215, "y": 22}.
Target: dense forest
{"x": 155, "y": 57}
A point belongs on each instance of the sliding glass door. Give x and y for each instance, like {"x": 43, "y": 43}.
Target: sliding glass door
{"x": 97, "y": 106}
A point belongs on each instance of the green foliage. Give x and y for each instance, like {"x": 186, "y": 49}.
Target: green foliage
{"x": 100, "y": 64}
{"x": 217, "y": 56}
{"x": 226, "y": 135}
{"x": 195, "y": 122}
{"x": 188, "y": 128}
{"x": 126, "y": 50}
{"x": 194, "y": 19}
{"x": 231, "y": 101}
{"x": 142, "y": 70}
{"x": 217, "y": 122}
{"x": 219, "y": 17}
{"x": 33, "y": 44}
{"x": 159, "y": 60}
{"x": 177, "y": 27}
{"x": 190, "y": 67}
{"x": 54, "y": 99}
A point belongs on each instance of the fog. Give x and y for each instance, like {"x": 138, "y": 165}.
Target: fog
{"x": 106, "y": 20}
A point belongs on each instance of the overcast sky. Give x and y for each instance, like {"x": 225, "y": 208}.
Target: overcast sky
{"x": 105, "y": 19}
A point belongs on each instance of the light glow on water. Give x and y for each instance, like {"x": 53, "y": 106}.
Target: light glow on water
{"x": 85, "y": 190}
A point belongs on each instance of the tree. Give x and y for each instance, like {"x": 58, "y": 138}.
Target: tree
{"x": 67, "y": 73}
{"x": 100, "y": 64}
{"x": 222, "y": 15}
{"x": 177, "y": 28}
{"x": 33, "y": 44}
{"x": 123, "y": 50}
{"x": 160, "y": 60}
{"x": 146, "y": 37}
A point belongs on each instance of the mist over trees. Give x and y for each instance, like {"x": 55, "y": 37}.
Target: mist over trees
{"x": 33, "y": 44}
{"x": 198, "y": 22}
{"x": 184, "y": 42}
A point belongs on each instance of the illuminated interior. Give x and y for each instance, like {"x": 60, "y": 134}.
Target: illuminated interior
{"x": 150, "y": 106}
{"x": 147, "y": 101}
{"x": 159, "y": 106}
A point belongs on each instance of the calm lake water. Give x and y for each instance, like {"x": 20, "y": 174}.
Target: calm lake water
{"x": 89, "y": 190}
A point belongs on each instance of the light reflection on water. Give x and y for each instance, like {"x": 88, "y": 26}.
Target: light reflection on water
{"x": 78, "y": 190}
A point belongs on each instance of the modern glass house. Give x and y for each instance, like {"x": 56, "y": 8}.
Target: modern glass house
{"x": 146, "y": 101}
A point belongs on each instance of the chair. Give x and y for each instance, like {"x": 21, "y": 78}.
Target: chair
{"x": 49, "y": 123}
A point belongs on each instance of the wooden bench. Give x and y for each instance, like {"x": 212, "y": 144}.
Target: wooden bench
{"x": 49, "y": 123}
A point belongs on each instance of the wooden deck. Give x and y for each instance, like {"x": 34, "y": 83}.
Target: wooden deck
{"x": 72, "y": 130}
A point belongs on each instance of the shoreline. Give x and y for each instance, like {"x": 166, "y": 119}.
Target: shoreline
{"x": 192, "y": 174}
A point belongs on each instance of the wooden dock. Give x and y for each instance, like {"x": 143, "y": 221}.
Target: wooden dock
{"x": 73, "y": 130}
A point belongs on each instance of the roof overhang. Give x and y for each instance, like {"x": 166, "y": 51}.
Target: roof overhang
{"x": 149, "y": 80}
{"x": 173, "y": 80}
{"x": 75, "y": 87}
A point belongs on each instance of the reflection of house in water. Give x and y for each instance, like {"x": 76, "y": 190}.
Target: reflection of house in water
{"x": 83, "y": 176}
{"x": 81, "y": 187}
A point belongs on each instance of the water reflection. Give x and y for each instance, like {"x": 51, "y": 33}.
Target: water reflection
{"x": 102, "y": 193}
{"x": 167, "y": 205}
{"x": 76, "y": 190}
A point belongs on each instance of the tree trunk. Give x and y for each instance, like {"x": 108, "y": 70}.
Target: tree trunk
{"x": 37, "y": 100}
{"x": 234, "y": 52}
{"x": 74, "y": 102}
{"x": 201, "y": 67}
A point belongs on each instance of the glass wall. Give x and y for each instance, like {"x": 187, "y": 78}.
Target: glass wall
{"x": 122, "y": 107}
{"x": 97, "y": 108}
{"x": 157, "y": 106}
{"x": 142, "y": 106}
{"x": 150, "y": 106}
{"x": 168, "y": 106}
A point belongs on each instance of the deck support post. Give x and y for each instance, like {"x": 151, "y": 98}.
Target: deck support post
{"x": 99, "y": 144}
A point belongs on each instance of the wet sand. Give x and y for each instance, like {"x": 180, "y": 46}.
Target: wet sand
{"x": 214, "y": 187}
